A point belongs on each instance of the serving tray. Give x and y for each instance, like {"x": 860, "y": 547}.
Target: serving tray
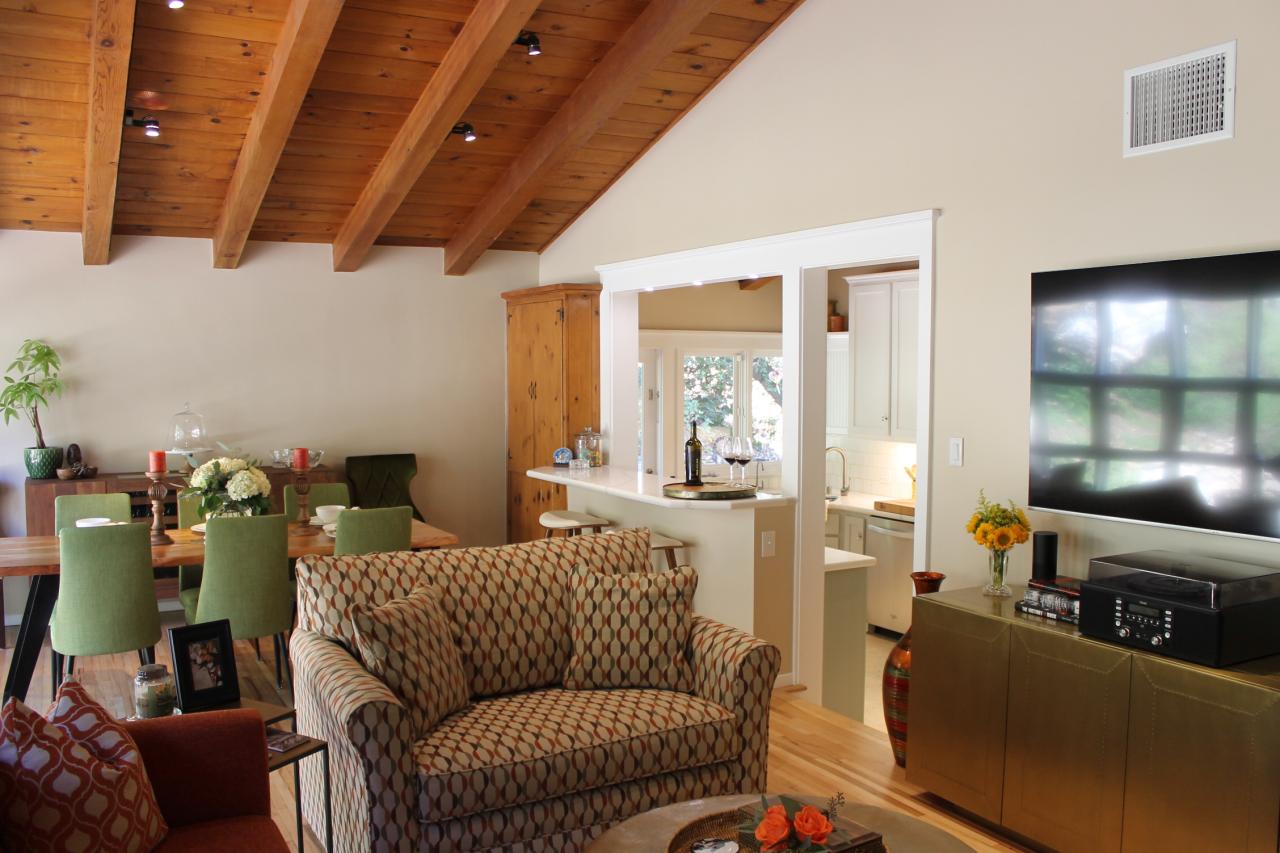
{"x": 710, "y": 490}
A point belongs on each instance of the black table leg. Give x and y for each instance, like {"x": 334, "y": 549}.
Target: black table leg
{"x": 297, "y": 801}
{"x": 35, "y": 622}
{"x": 328, "y": 809}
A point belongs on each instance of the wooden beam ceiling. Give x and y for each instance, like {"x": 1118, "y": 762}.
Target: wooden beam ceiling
{"x": 484, "y": 40}
{"x": 111, "y": 40}
{"x": 656, "y": 33}
{"x": 303, "y": 37}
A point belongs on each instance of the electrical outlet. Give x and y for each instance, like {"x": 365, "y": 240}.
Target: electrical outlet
{"x": 768, "y": 543}
{"x": 955, "y": 456}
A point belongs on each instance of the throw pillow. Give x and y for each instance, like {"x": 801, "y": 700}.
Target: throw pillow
{"x": 631, "y": 630}
{"x": 73, "y": 781}
{"x": 408, "y": 643}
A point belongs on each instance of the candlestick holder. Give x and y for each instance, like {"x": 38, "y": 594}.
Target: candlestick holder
{"x": 302, "y": 485}
{"x": 157, "y": 492}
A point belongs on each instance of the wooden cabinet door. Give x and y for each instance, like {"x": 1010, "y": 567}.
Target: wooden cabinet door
{"x": 959, "y": 696}
{"x": 527, "y": 499}
{"x": 40, "y": 495}
{"x": 1203, "y": 769}
{"x": 1065, "y": 744}
{"x": 520, "y": 372}
{"x": 870, "y": 340}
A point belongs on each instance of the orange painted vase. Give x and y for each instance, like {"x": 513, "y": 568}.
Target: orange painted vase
{"x": 897, "y": 675}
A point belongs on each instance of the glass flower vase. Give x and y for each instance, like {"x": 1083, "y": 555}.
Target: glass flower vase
{"x": 998, "y": 566}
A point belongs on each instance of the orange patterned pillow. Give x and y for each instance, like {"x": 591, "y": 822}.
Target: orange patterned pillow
{"x": 73, "y": 781}
{"x": 408, "y": 643}
{"x": 631, "y": 630}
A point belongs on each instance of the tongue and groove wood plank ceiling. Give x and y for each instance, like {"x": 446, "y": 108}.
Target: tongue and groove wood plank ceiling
{"x": 321, "y": 89}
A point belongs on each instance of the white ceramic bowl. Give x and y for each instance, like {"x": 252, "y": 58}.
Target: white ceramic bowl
{"x": 92, "y": 522}
{"x": 329, "y": 514}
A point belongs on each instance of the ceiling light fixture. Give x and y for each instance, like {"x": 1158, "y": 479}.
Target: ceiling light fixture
{"x": 531, "y": 41}
{"x": 150, "y": 124}
{"x": 465, "y": 130}
{"x": 176, "y": 4}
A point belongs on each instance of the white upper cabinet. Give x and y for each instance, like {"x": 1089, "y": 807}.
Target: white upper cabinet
{"x": 883, "y": 339}
{"x": 837, "y": 383}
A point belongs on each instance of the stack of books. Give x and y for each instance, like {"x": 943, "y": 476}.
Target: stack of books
{"x": 1057, "y": 599}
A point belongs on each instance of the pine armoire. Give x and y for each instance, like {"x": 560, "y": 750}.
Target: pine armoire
{"x": 553, "y": 391}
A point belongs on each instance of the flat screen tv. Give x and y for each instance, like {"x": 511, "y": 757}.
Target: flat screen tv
{"x": 1155, "y": 393}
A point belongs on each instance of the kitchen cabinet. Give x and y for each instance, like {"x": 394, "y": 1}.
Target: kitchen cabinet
{"x": 553, "y": 390}
{"x": 845, "y": 531}
{"x": 883, "y": 341}
{"x": 838, "y": 383}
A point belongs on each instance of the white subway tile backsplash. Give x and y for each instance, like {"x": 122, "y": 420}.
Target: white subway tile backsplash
{"x": 875, "y": 467}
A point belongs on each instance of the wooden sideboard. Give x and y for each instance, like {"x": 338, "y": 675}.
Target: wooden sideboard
{"x": 553, "y": 391}
{"x": 1081, "y": 745}
{"x": 40, "y": 495}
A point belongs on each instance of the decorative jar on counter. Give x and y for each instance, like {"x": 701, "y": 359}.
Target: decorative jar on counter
{"x": 153, "y": 692}
{"x": 589, "y": 445}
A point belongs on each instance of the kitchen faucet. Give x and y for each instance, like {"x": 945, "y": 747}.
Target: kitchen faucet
{"x": 844, "y": 469}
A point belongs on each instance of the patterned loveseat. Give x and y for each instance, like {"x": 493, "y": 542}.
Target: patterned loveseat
{"x": 528, "y": 765}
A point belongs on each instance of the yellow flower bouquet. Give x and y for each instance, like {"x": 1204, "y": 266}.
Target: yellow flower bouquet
{"x": 998, "y": 527}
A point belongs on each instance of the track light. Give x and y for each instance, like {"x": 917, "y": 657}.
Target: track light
{"x": 530, "y": 40}
{"x": 150, "y": 124}
{"x": 465, "y": 130}
{"x": 176, "y": 4}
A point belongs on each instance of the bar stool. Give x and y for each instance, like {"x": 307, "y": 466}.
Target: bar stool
{"x": 572, "y": 523}
{"x": 665, "y": 544}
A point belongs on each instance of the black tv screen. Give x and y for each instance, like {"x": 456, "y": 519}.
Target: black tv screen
{"x": 1155, "y": 392}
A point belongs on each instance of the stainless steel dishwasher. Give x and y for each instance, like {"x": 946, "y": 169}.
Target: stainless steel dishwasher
{"x": 892, "y": 543}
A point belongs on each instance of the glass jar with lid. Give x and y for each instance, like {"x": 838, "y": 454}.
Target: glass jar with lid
{"x": 153, "y": 692}
{"x": 589, "y": 445}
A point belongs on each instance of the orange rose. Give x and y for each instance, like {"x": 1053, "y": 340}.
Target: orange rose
{"x": 812, "y": 825}
{"x": 774, "y": 829}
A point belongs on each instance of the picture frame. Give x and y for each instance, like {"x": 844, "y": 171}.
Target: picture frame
{"x": 204, "y": 665}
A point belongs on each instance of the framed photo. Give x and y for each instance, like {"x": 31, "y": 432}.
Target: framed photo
{"x": 204, "y": 665}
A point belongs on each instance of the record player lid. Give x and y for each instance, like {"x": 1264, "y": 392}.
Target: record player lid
{"x": 1209, "y": 581}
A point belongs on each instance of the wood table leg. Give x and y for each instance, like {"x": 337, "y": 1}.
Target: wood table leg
{"x": 4, "y": 631}
{"x": 35, "y": 622}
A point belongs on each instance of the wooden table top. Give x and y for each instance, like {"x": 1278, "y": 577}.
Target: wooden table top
{"x": 38, "y": 555}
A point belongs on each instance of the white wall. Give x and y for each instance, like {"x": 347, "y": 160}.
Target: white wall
{"x": 1007, "y": 118}
{"x": 283, "y": 351}
{"x": 720, "y": 307}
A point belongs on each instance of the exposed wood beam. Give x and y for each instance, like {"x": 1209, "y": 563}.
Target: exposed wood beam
{"x": 656, "y": 33}
{"x": 487, "y": 35}
{"x": 757, "y": 283}
{"x": 303, "y": 36}
{"x": 111, "y": 40}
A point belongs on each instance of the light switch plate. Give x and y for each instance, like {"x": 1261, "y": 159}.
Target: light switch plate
{"x": 768, "y": 543}
{"x": 955, "y": 455}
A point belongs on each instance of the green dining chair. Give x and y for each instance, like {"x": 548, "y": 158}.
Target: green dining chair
{"x": 106, "y": 596}
{"x": 382, "y": 480}
{"x": 68, "y": 509}
{"x": 246, "y": 580}
{"x": 320, "y": 494}
{"x": 370, "y": 531}
{"x": 189, "y": 515}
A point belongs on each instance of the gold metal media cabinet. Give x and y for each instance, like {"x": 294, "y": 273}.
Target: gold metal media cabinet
{"x": 1084, "y": 746}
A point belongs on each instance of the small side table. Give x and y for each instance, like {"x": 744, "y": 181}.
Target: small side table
{"x": 280, "y": 760}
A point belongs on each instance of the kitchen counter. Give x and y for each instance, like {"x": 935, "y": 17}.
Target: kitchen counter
{"x": 629, "y": 484}
{"x": 864, "y": 504}
{"x": 835, "y": 560}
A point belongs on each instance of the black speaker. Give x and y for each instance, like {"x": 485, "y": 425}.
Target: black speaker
{"x": 1044, "y": 555}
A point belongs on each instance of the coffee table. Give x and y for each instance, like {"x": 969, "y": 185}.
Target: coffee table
{"x": 902, "y": 833}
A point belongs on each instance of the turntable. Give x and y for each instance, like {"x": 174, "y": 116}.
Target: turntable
{"x": 1201, "y": 609}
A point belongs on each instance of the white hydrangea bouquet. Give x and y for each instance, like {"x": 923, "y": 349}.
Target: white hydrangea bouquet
{"x": 230, "y": 486}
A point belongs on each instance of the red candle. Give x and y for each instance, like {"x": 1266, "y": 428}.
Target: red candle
{"x": 301, "y": 458}
{"x": 158, "y": 464}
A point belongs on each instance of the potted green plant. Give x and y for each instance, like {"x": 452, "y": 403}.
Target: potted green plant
{"x": 29, "y": 382}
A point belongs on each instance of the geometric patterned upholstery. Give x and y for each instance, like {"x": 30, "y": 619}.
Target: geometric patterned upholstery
{"x": 517, "y": 749}
{"x": 604, "y": 755}
{"x": 630, "y": 630}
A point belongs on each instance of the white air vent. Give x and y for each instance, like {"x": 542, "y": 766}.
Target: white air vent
{"x": 1181, "y": 101}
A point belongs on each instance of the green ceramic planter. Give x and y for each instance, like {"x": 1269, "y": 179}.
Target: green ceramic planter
{"x": 43, "y": 462}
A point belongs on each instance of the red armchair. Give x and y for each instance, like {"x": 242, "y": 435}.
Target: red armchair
{"x": 209, "y": 772}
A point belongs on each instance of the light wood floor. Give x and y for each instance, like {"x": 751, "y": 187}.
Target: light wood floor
{"x": 811, "y": 750}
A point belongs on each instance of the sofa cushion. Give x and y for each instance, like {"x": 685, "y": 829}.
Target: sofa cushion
{"x": 408, "y": 643}
{"x": 249, "y": 834}
{"x": 631, "y": 630}
{"x": 507, "y": 604}
{"x": 527, "y": 747}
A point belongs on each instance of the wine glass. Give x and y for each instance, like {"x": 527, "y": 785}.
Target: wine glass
{"x": 745, "y": 452}
{"x": 724, "y": 450}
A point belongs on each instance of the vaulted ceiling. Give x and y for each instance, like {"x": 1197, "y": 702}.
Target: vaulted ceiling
{"x": 330, "y": 121}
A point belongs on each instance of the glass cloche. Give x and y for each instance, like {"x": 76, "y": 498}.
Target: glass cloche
{"x": 187, "y": 434}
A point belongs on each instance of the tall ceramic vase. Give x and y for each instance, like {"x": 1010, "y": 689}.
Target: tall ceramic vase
{"x": 897, "y": 675}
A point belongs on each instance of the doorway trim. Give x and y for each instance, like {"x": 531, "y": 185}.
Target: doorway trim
{"x": 802, "y": 259}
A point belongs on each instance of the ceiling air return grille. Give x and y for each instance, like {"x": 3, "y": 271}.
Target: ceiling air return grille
{"x": 1181, "y": 101}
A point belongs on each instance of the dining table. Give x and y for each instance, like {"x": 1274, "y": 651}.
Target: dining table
{"x": 37, "y": 557}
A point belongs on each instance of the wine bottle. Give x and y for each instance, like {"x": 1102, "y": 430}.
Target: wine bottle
{"x": 693, "y": 457}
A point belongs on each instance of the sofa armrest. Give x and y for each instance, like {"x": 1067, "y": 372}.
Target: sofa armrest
{"x": 370, "y": 741}
{"x": 736, "y": 671}
{"x": 206, "y": 766}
